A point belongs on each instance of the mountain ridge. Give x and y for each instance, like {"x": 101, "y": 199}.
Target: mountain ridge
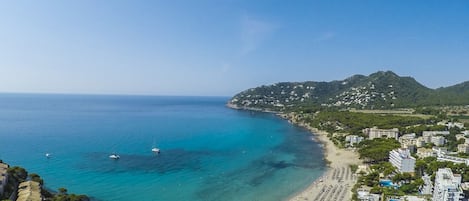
{"x": 379, "y": 90}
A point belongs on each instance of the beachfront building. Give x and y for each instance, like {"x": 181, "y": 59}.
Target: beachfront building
{"x": 381, "y": 133}
{"x": 353, "y": 139}
{"x": 447, "y": 186}
{"x": 363, "y": 194}
{"x": 29, "y": 191}
{"x": 463, "y": 148}
{"x": 402, "y": 160}
{"x": 413, "y": 198}
{"x": 438, "y": 140}
{"x": 3, "y": 177}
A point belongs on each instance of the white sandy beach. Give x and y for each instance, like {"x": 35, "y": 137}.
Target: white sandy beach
{"x": 338, "y": 180}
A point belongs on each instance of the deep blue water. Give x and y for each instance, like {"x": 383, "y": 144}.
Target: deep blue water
{"x": 209, "y": 152}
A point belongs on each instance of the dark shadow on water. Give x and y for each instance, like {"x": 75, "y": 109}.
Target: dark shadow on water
{"x": 306, "y": 155}
{"x": 245, "y": 179}
{"x": 168, "y": 161}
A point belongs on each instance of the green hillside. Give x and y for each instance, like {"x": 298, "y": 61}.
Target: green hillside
{"x": 380, "y": 90}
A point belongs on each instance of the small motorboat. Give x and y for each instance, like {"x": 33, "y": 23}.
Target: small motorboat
{"x": 48, "y": 155}
{"x": 114, "y": 156}
{"x": 155, "y": 150}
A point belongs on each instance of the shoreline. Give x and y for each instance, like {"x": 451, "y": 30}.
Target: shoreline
{"x": 337, "y": 181}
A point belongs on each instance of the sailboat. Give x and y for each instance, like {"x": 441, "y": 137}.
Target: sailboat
{"x": 155, "y": 150}
{"x": 114, "y": 156}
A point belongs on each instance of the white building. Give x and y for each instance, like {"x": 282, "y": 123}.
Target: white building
{"x": 466, "y": 133}
{"x": 413, "y": 198}
{"x": 402, "y": 160}
{"x": 365, "y": 195}
{"x": 463, "y": 148}
{"x": 427, "y": 137}
{"x": 423, "y": 153}
{"x": 420, "y": 142}
{"x": 411, "y": 147}
{"x": 433, "y": 133}
{"x": 455, "y": 124}
{"x": 453, "y": 159}
{"x": 447, "y": 186}
{"x": 353, "y": 139}
{"x": 381, "y": 133}
{"x": 460, "y": 136}
{"x": 407, "y": 137}
{"x": 438, "y": 140}
{"x": 440, "y": 151}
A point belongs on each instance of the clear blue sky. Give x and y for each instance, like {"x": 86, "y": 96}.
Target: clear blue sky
{"x": 220, "y": 47}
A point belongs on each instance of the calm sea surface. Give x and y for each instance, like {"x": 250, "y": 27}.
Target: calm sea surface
{"x": 209, "y": 152}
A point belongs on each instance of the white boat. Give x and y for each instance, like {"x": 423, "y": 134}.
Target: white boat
{"x": 155, "y": 150}
{"x": 114, "y": 156}
{"x": 48, "y": 155}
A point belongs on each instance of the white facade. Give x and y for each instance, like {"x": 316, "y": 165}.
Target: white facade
{"x": 411, "y": 147}
{"x": 407, "y": 137}
{"x": 365, "y": 195}
{"x": 453, "y": 159}
{"x": 460, "y": 136}
{"x": 438, "y": 140}
{"x": 381, "y": 133}
{"x": 447, "y": 186}
{"x": 466, "y": 132}
{"x": 353, "y": 139}
{"x": 420, "y": 142}
{"x": 402, "y": 160}
{"x": 427, "y": 137}
{"x": 423, "y": 153}
{"x": 463, "y": 148}
{"x": 433, "y": 133}
{"x": 455, "y": 124}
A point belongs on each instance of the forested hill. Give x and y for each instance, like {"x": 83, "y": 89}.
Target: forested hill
{"x": 380, "y": 90}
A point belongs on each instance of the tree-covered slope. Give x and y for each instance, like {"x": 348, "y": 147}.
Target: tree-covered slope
{"x": 454, "y": 95}
{"x": 380, "y": 90}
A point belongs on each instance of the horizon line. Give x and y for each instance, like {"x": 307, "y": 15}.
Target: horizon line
{"x": 108, "y": 94}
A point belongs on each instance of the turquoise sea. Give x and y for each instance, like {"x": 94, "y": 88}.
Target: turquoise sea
{"x": 208, "y": 151}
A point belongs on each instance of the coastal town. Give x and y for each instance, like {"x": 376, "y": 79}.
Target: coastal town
{"x": 443, "y": 185}
{"x": 404, "y": 174}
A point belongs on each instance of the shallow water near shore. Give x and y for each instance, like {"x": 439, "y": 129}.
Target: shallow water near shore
{"x": 209, "y": 152}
